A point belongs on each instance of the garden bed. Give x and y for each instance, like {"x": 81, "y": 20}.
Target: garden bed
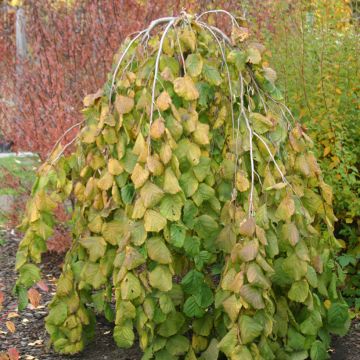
{"x": 31, "y": 340}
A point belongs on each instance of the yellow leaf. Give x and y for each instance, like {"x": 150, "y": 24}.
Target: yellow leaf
{"x": 242, "y": 183}
{"x": 327, "y": 150}
{"x": 11, "y": 326}
{"x": 90, "y": 99}
{"x": 327, "y": 304}
{"x": 163, "y": 101}
{"x": 139, "y": 176}
{"x": 124, "y": 104}
{"x": 157, "y": 129}
{"x": 114, "y": 167}
{"x": 185, "y": 87}
{"x": 188, "y": 39}
{"x": 105, "y": 181}
{"x": 155, "y": 165}
{"x": 154, "y": 221}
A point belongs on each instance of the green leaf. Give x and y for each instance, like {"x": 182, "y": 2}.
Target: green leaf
{"x": 166, "y": 304}
{"x": 203, "y": 326}
{"x": 189, "y": 213}
{"x": 127, "y": 193}
{"x": 192, "y": 308}
{"x": 22, "y": 297}
{"x": 203, "y": 193}
{"x": 238, "y": 58}
{"x": 192, "y": 281}
{"x": 295, "y": 340}
{"x": 130, "y": 287}
{"x": 229, "y": 341}
{"x": 206, "y": 92}
{"x": 124, "y": 335}
{"x": 211, "y": 75}
{"x": 206, "y": 227}
{"x": 194, "y": 64}
{"x": 204, "y": 296}
{"x": 29, "y": 275}
{"x": 177, "y": 345}
{"x": 171, "y": 325}
{"x": 260, "y": 123}
{"x": 299, "y": 291}
{"x": 170, "y": 207}
{"x": 57, "y": 314}
{"x": 318, "y": 351}
{"x": 338, "y": 318}
{"x": 177, "y": 235}
{"x": 312, "y": 323}
{"x": 161, "y": 278}
{"x": 158, "y": 251}
{"x": 250, "y": 329}
{"x": 96, "y": 245}
{"x": 212, "y": 352}
{"x": 188, "y": 183}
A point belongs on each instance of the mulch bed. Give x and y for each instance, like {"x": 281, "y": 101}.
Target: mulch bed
{"x": 30, "y": 338}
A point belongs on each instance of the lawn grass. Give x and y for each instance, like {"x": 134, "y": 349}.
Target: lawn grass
{"x": 21, "y": 168}
{"x": 17, "y": 174}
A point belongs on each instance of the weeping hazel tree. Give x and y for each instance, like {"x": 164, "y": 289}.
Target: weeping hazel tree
{"x": 201, "y": 220}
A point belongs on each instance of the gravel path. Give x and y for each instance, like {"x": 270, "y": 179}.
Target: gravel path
{"x": 31, "y": 340}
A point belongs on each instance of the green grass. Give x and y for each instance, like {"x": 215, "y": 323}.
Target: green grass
{"x": 21, "y": 168}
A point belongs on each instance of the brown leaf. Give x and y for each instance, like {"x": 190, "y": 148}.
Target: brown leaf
{"x": 34, "y": 297}
{"x": 13, "y": 354}
{"x": 124, "y": 104}
{"x": 4, "y": 356}
{"x": 157, "y": 128}
{"x": 247, "y": 227}
{"x": 12, "y": 314}
{"x": 163, "y": 101}
{"x": 11, "y": 326}
{"x": 42, "y": 286}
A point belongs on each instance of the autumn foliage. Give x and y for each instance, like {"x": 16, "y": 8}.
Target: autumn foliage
{"x": 70, "y": 51}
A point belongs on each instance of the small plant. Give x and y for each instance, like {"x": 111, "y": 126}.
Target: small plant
{"x": 200, "y": 209}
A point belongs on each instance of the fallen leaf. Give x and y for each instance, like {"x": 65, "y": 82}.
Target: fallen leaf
{"x": 36, "y": 342}
{"x": 4, "y": 356}
{"x": 42, "y": 286}
{"x": 11, "y": 326}
{"x": 13, "y": 354}
{"x": 12, "y": 314}
{"x": 34, "y": 297}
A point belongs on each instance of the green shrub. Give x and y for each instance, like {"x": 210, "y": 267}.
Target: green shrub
{"x": 200, "y": 209}
{"x": 315, "y": 53}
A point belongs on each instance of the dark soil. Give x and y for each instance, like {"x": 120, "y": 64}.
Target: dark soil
{"x": 30, "y": 337}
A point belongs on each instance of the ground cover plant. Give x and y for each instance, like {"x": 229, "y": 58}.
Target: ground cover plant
{"x": 201, "y": 219}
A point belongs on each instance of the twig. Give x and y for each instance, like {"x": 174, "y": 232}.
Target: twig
{"x": 251, "y": 205}
{"x": 169, "y": 25}
{"x": 62, "y": 136}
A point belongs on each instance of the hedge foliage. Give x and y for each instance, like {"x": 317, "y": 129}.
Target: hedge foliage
{"x": 200, "y": 209}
